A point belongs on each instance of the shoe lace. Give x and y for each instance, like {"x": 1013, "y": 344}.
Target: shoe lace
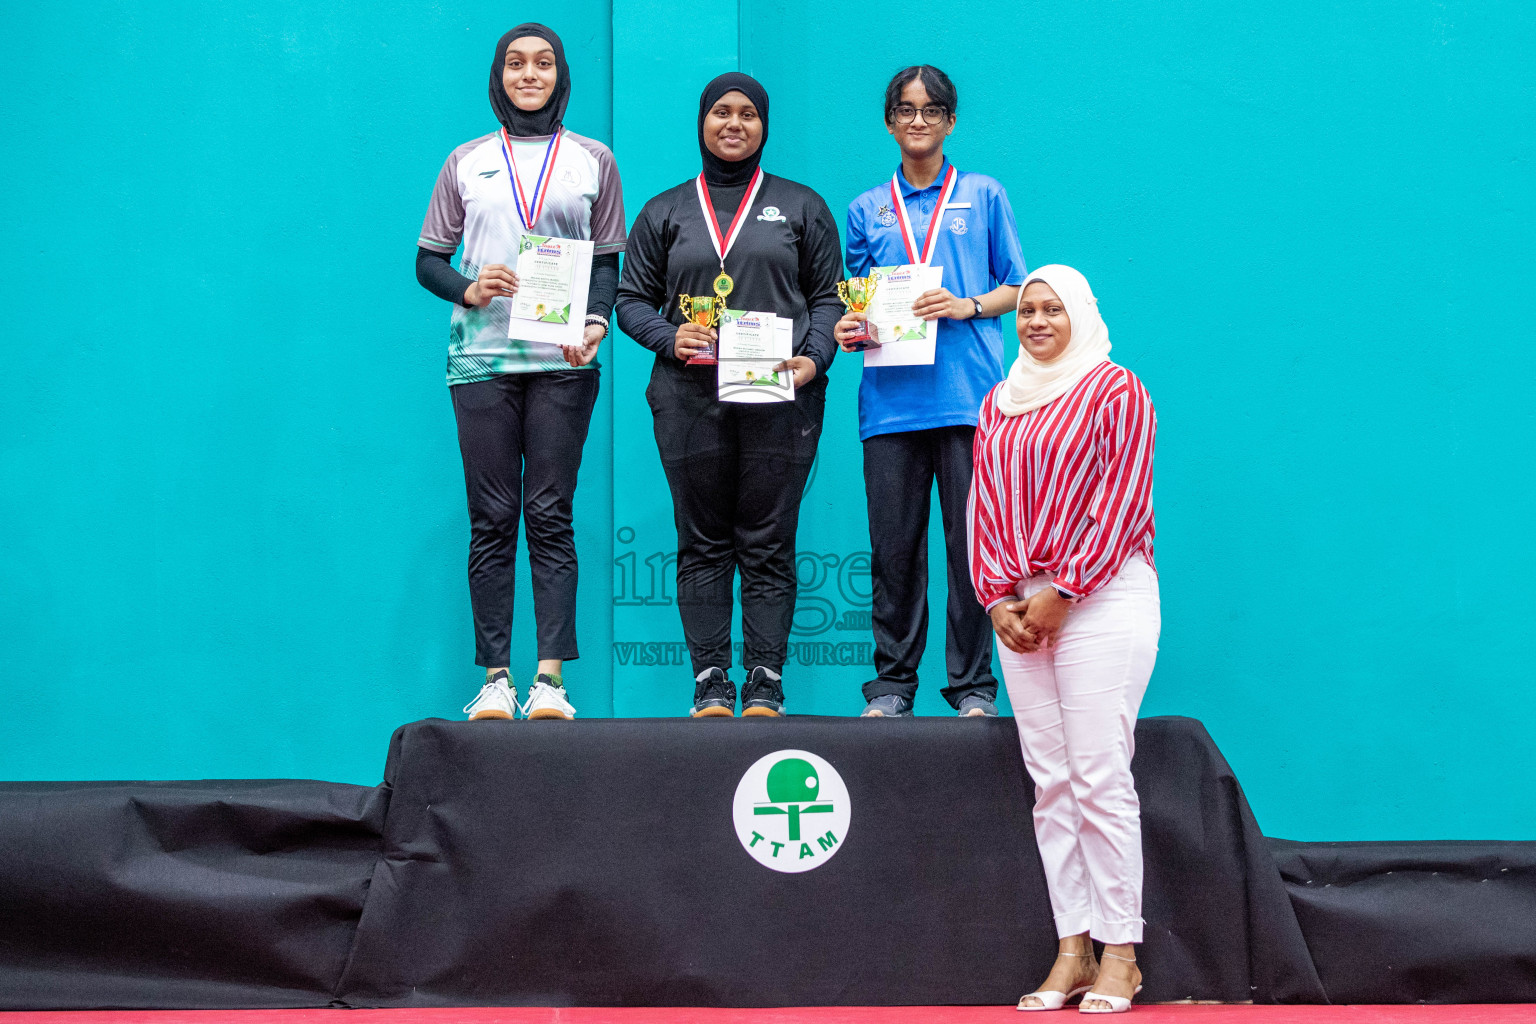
{"x": 718, "y": 687}
{"x": 486, "y": 690}
{"x": 533, "y": 693}
{"x": 764, "y": 684}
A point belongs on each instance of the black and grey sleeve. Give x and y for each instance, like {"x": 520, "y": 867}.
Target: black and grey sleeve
{"x": 604, "y": 285}
{"x": 435, "y": 272}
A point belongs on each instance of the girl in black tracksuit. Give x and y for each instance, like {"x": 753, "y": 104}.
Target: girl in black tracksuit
{"x": 736, "y": 471}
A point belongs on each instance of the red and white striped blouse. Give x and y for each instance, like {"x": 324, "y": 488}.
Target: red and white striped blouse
{"x": 1065, "y": 488}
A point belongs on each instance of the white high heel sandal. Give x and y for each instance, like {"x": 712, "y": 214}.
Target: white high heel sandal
{"x": 1050, "y": 999}
{"x": 1117, "y": 1004}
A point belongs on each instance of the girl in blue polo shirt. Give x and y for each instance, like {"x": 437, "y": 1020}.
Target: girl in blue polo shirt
{"x": 918, "y": 423}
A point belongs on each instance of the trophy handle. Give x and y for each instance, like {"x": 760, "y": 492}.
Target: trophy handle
{"x": 683, "y": 304}
{"x": 718, "y": 313}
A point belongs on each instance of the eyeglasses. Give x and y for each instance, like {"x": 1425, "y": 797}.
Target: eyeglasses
{"x": 906, "y": 113}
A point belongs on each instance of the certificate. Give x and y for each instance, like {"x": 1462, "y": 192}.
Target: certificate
{"x": 905, "y": 338}
{"x": 553, "y": 278}
{"x": 751, "y": 344}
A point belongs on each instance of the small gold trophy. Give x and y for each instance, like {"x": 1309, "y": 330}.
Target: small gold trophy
{"x": 857, "y": 293}
{"x": 706, "y": 311}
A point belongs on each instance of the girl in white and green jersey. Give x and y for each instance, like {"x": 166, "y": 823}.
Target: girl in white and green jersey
{"x": 522, "y": 407}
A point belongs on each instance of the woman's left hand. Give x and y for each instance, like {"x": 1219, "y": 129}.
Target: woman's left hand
{"x": 592, "y": 334}
{"x": 1044, "y": 614}
{"x": 803, "y": 367}
{"x": 937, "y": 302}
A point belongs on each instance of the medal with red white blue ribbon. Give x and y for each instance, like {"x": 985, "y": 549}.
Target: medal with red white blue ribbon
{"x": 529, "y": 207}
{"x": 908, "y": 237}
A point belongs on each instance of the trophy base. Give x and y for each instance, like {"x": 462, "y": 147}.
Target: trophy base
{"x": 703, "y": 360}
{"x": 861, "y": 339}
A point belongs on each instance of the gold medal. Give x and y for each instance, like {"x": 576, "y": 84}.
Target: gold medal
{"x": 723, "y": 283}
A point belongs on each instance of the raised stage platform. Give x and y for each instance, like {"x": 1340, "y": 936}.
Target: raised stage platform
{"x": 613, "y": 863}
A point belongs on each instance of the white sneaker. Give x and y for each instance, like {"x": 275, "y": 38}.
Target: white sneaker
{"x": 546, "y": 700}
{"x": 497, "y": 699}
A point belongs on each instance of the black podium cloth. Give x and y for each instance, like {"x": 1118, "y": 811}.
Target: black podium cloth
{"x": 1435, "y": 922}
{"x": 596, "y": 863}
{"x": 181, "y": 894}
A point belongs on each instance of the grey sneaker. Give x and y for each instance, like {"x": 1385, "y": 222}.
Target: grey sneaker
{"x": 977, "y": 706}
{"x": 713, "y": 695}
{"x": 888, "y": 706}
{"x": 762, "y": 695}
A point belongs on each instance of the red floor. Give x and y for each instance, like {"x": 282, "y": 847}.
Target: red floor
{"x": 1491, "y": 1013}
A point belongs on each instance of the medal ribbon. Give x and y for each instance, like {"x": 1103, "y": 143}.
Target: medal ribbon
{"x": 723, "y": 245}
{"x": 931, "y": 239}
{"x": 529, "y": 207}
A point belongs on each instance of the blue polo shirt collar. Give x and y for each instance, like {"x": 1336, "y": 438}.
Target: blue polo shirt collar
{"x": 908, "y": 189}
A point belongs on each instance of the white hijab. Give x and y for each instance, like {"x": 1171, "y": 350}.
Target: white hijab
{"x": 1031, "y": 383}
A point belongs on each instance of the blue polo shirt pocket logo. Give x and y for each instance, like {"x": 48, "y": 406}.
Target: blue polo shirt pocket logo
{"x": 886, "y": 216}
{"x": 958, "y": 225}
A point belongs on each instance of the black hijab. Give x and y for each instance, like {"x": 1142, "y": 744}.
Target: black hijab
{"x": 547, "y": 118}
{"x": 732, "y": 172}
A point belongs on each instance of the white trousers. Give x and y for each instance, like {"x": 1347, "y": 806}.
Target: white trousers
{"x": 1075, "y": 706}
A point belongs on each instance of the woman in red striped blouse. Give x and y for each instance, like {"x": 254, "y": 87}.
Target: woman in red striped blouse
{"x": 1061, "y": 556}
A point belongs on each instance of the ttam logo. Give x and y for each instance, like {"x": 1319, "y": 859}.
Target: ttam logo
{"x": 791, "y": 811}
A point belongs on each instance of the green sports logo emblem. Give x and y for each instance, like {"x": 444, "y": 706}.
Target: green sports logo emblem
{"x": 791, "y": 811}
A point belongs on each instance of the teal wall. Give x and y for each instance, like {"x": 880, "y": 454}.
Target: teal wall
{"x": 231, "y": 523}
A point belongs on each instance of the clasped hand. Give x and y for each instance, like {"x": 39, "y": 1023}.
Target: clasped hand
{"x": 1027, "y": 626}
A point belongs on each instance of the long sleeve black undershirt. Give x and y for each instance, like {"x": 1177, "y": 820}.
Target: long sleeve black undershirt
{"x": 435, "y": 272}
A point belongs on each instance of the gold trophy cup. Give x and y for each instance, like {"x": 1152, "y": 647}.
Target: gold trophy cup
{"x": 857, "y": 293}
{"x": 704, "y": 310}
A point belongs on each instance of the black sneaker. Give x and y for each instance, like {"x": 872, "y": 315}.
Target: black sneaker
{"x": 762, "y": 695}
{"x": 713, "y": 695}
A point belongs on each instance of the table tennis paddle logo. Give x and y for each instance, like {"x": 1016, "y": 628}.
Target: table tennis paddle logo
{"x": 791, "y": 811}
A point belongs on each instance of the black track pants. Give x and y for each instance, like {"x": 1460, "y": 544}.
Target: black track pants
{"x": 521, "y": 436}
{"x": 899, "y": 473}
{"x": 737, "y": 474}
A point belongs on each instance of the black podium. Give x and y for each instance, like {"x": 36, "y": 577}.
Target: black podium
{"x": 634, "y": 862}
{"x": 540, "y": 863}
